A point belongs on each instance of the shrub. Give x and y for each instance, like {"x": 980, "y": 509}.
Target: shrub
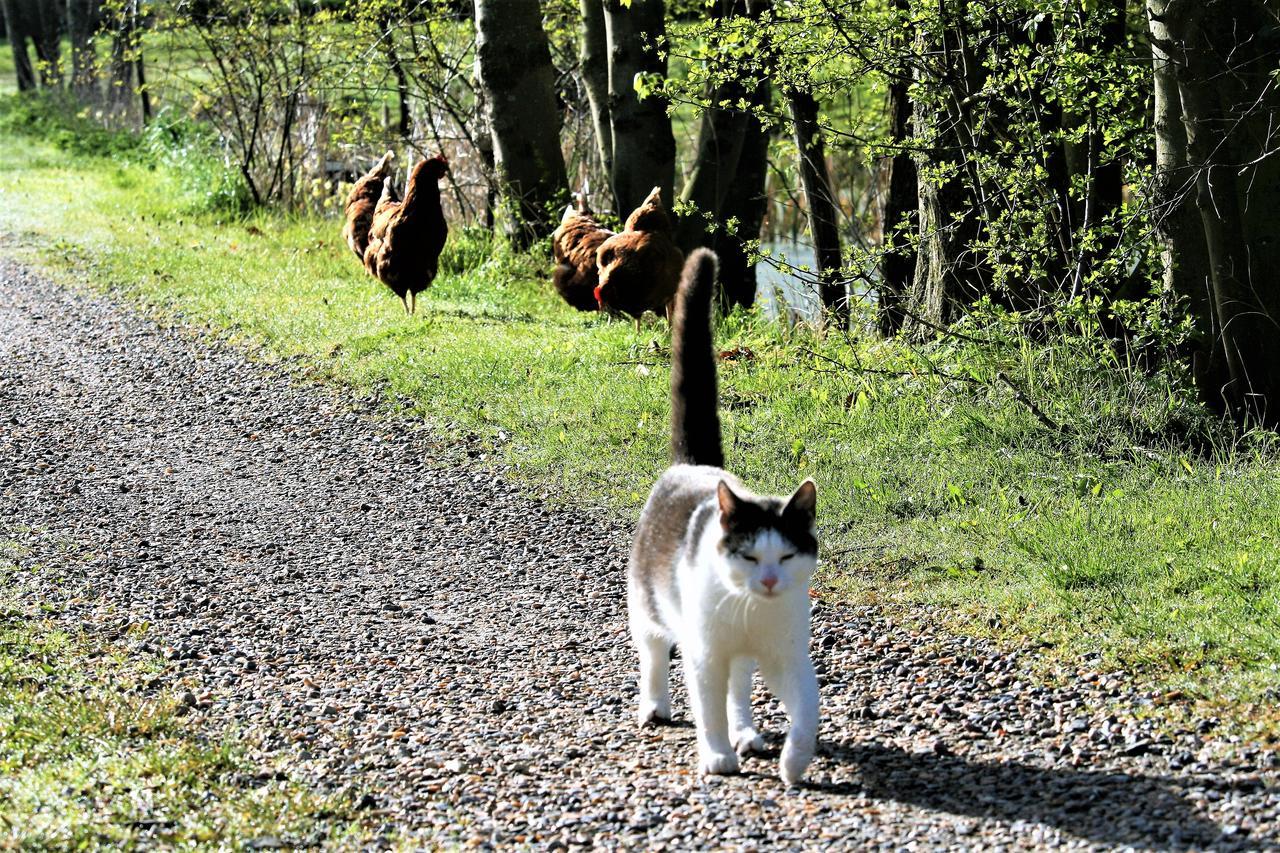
{"x": 191, "y": 151}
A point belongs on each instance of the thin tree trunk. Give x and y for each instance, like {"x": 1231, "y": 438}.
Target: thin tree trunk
{"x": 595, "y": 77}
{"x": 139, "y": 65}
{"x": 121, "y": 81}
{"x": 824, "y": 224}
{"x": 48, "y": 40}
{"x": 948, "y": 270}
{"x": 727, "y": 181}
{"x": 644, "y": 149}
{"x": 514, "y": 61}
{"x": 404, "y": 124}
{"x": 720, "y": 136}
{"x": 747, "y": 202}
{"x": 936, "y": 284}
{"x": 1103, "y": 177}
{"x": 1184, "y": 255}
{"x": 899, "y": 200}
{"x": 82, "y": 25}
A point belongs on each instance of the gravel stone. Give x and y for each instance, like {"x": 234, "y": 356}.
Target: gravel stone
{"x": 280, "y": 545}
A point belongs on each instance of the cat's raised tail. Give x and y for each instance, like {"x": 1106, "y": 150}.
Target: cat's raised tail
{"x": 695, "y": 419}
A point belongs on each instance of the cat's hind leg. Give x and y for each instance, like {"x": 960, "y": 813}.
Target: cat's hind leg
{"x": 742, "y": 731}
{"x": 655, "y": 677}
{"x": 794, "y": 682}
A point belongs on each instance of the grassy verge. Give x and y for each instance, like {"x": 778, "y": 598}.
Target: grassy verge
{"x": 91, "y": 757}
{"x": 937, "y": 484}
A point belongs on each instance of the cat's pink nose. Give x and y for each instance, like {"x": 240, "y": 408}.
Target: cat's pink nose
{"x": 769, "y": 581}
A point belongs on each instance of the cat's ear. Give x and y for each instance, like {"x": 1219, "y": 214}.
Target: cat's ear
{"x": 728, "y": 503}
{"x": 804, "y": 501}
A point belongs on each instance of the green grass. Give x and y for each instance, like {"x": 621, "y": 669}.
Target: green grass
{"x": 8, "y": 82}
{"x": 1110, "y": 540}
{"x": 92, "y": 757}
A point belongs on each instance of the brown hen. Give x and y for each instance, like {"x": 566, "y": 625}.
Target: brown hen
{"x": 574, "y": 245}
{"x": 361, "y": 202}
{"x": 640, "y": 267}
{"x": 407, "y": 236}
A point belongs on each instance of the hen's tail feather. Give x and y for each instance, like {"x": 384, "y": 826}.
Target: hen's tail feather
{"x": 695, "y": 419}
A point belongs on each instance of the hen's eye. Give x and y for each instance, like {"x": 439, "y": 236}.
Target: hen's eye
{"x": 785, "y": 557}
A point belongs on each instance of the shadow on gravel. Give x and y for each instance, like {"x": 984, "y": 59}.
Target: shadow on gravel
{"x": 1108, "y": 807}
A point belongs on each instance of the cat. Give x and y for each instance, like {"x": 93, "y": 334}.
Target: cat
{"x": 719, "y": 571}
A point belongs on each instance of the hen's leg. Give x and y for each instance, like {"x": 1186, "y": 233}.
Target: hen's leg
{"x": 413, "y": 303}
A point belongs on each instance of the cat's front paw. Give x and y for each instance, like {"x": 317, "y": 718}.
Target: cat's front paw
{"x": 654, "y": 714}
{"x": 747, "y": 740}
{"x": 794, "y": 763}
{"x": 718, "y": 763}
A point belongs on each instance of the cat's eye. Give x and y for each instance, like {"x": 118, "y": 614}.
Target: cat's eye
{"x": 750, "y": 559}
{"x": 785, "y": 557}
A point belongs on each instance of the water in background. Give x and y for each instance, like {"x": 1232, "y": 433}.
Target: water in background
{"x": 794, "y": 295}
{"x": 780, "y": 293}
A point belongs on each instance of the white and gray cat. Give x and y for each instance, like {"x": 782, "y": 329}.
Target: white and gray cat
{"x": 719, "y": 571}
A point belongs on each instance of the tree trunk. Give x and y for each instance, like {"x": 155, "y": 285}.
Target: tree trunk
{"x": 139, "y": 65}
{"x": 726, "y": 183}
{"x": 18, "y": 30}
{"x": 1184, "y": 255}
{"x": 952, "y": 200}
{"x": 39, "y": 21}
{"x": 1229, "y": 114}
{"x": 515, "y": 72}
{"x": 121, "y": 86}
{"x": 746, "y": 202}
{"x": 721, "y": 131}
{"x": 1092, "y": 214}
{"x": 938, "y": 280}
{"x": 404, "y": 124}
{"x": 82, "y": 26}
{"x": 47, "y": 15}
{"x": 899, "y": 199}
{"x": 595, "y": 77}
{"x": 483, "y": 135}
{"x": 824, "y": 222}
{"x": 644, "y": 149}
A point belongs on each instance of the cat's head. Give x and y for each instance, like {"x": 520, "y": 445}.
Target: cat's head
{"x": 769, "y": 546}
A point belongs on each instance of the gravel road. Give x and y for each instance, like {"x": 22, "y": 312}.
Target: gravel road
{"x": 368, "y": 609}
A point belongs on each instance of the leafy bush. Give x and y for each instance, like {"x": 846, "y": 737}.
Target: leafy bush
{"x": 190, "y": 149}
{"x": 59, "y": 119}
